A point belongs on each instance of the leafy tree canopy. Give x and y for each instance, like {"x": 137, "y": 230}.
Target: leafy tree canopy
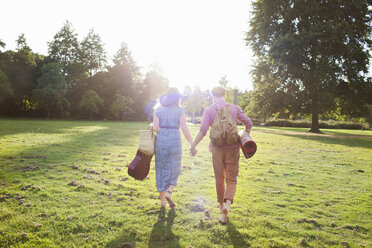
{"x": 22, "y": 44}
{"x": 91, "y": 103}
{"x": 195, "y": 102}
{"x": 51, "y": 89}
{"x": 311, "y": 53}
{"x": 2, "y": 44}
{"x": 64, "y": 48}
{"x": 5, "y": 87}
{"x": 93, "y": 55}
{"x": 122, "y": 106}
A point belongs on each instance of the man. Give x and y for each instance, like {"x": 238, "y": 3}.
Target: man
{"x": 225, "y": 157}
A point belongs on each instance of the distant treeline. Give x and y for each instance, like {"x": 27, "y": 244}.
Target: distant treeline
{"x": 75, "y": 80}
{"x": 310, "y": 62}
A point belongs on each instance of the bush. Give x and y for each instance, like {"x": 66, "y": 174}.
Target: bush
{"x": 322, "y": 124}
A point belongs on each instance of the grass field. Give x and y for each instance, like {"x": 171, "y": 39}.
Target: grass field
{"x": 65, "y": 184}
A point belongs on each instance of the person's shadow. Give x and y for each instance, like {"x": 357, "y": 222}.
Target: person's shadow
{"x": 161, "y": 234}
{"x": 236, "y": 238}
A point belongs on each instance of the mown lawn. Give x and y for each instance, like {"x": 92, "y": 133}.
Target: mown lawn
{"x": 65, "y": 184}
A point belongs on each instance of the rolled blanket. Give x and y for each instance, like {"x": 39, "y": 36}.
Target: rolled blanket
{"x": 248, "y": 146}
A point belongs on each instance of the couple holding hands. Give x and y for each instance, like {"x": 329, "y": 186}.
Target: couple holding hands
{"x": 168, "y": 119}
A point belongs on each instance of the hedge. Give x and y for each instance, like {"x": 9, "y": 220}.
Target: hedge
{"x": 322, "y": 124}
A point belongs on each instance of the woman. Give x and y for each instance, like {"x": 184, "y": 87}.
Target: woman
{"x": 167, "y": 120}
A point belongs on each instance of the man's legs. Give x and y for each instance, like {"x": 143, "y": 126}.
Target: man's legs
{"x": 232, "y": 169}
{"x": 219, "y": 174}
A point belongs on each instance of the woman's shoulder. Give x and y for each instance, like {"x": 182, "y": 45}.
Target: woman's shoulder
{"x": 158, "y": 110}
{"x": 181, "y": 110}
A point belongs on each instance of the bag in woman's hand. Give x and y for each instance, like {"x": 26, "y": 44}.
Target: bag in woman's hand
{"x": 147, "y": 142}
{"x": 140, "y": 166}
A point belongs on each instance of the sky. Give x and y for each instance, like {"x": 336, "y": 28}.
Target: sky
{"x": 194, "y": 42}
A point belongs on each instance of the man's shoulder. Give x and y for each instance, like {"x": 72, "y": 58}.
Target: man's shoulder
{"x": 233, "y": 106}
{"x": 210, "y": 108}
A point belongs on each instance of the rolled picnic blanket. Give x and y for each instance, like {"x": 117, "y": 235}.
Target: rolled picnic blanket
{"x": 248, "y": 146}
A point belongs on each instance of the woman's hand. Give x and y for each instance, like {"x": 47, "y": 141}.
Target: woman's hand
{"x": 151, "y": 126}
{"x": 193, "y": 150}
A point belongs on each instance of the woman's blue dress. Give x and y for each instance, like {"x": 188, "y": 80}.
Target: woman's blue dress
{"x": 168, "y": 146}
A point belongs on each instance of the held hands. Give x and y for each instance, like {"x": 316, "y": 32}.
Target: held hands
{"x": 193, "y": 150}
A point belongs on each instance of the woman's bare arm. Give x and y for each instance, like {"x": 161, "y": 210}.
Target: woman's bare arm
{"x": 155, "y": 124}
{"x": 185, "y": 129}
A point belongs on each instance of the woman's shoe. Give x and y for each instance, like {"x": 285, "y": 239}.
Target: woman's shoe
{"x": 168, "y": 197}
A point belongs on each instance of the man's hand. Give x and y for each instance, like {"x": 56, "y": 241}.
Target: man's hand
{"x": 193, "y": 150}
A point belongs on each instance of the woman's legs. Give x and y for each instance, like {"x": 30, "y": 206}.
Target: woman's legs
{"x": 162, "y": 199}
{"x": 168, "y": 196}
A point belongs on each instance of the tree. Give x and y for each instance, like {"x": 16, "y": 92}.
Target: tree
{"x": 122, "y": 106}
{"x": 195, "y": 103}
{"x": 22, "y": 68}
{"x": 92, "y": 54}
{"x": 312, "y": 56}
{"x": 124, "y": 57}
{"x": 124, "y": 78}
{"x": 125, "y": 73}
{"x": 51, "y": 89}
{"x": 91, "y": 103}
{"x": 223, "y": 81}
{"x": 187, "y": 91}
{"x": 64, "y": 48}
{"x": 5, "y": 88}
{"x": 2, "y": 44}
{"x": 155, "y": 83}
{"x": 22, "y": 44}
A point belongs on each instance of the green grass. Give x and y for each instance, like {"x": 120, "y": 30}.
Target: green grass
{"x": 65, "y": 184}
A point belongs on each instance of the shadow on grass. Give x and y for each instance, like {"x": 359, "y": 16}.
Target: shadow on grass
{"x": 350, "y": 141}
{"x": 70, "y": 149}
{"x": 126, "y": 240}
{"x": 335, "y": 132}
{"x": 161, "y": 234}
{"x": 236, "y": 238}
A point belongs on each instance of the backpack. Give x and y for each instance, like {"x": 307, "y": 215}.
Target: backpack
{"x": 224, "y": 130}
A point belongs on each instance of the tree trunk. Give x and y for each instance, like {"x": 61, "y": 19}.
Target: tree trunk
{"x": 91, "y": 116}
{"x": 315, "y": 115}
{"x": 48, "y": 114}
{"x": 193, "y": 117}
{"x": 236, "y": 96}
{"x": 123, "y": 116}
